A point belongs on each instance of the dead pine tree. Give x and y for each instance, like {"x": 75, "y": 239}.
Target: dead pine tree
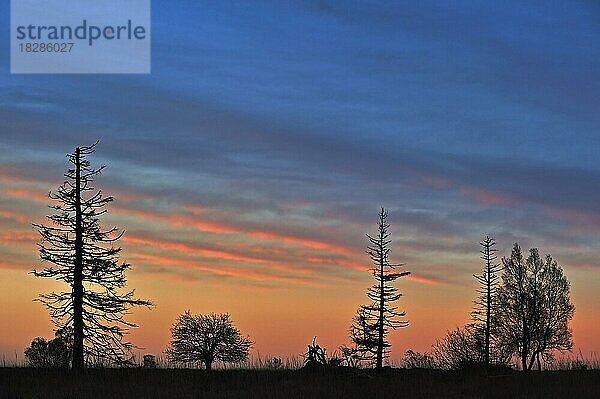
{"x": 488, "y": 281}
{"x": 372, "y": 322}
{"x": 84, "y": 256}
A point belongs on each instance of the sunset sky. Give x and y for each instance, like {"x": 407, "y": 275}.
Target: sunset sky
{"x": 248, "y": 166}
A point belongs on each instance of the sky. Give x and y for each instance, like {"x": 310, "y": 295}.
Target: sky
{"x": 248, "y": 166}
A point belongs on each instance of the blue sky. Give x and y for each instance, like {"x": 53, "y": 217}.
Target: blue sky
{"x": 301, "y": 118}
{"x": 350, "y": 105}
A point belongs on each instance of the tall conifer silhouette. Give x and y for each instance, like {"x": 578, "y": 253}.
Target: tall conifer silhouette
{"x": 483, "y": 312}
{"x": 372, "y": 322}
{"x": 84, "y": 256}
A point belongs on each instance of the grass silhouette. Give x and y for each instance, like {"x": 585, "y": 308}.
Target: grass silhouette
{"x": 289, "y": 384}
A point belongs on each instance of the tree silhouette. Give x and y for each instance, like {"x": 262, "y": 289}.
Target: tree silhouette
{"x": 149, "y": 362}
{"x": 372, "y": 322}
{"x": 363, "y": 334}
{"x": 315, "y": 355}
{"x": 37, "y": 353}
{"x": 459, "y": 348}
{"x": 418, "y": 360}
{"x": 84, "y": 256}
{"x": 484, "y": 304}
{"x": 54, "y": 353}
{"x": 534, "y": 307}
{"x": 206, "y": 338}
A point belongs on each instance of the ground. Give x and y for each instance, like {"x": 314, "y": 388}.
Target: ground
{"x": 30, "y": 383}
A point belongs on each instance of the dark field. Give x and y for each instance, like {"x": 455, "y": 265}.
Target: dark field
{"x": 288, "y": 384}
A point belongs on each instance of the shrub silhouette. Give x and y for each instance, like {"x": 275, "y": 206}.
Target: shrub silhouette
{"x": 206, "y": 338}
{"x": 54, "y": 353}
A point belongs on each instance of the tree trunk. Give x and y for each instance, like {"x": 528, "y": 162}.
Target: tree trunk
{"x": 488, "y": 312}
{"x": 379, "y": 362}
{"x": 524, "y": 333}
{"x": 78, "y": 363}
{"x": 524, "y": 350}
{"x": 208, "y": 363}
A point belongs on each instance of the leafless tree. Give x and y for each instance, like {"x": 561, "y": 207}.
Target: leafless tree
{"x": 459, "y": 348}
{"x": 464, "y": 347}
{"x": 488, "y": 282}
{"x": 206, "y": 338}
{"x": 372, "y": 322}
{"x": 418, "y": 360}
{"x": 534, "y": 307}
{"x": 84, "y": 256}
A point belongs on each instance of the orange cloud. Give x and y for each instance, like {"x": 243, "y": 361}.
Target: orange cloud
{"x": 343, "y": 262}
{"x": 436, "y": 182}
{"x": 11, "y": 174}
{"x": 306, "y": 242}
{"x": 487, "y": 197}
{"x": 166, "y": 262}
{"x": 16, "y": 216}
{"x": 190, "y": 250}
{"x": 14, "y": 264}
{"x": 294, "y": 263}
{"x": 425, "y": 280}
{"x": 290, "y": 250}
{"x": 201, "y": 224}
{"x": 29, "y": 194}
{"x": 326, "y": 253}
{"x": 177, "y": 220}
{"x": 19, "y": 237}
{"x": 581, "y": 221}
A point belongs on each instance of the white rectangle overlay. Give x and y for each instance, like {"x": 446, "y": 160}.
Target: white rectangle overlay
{"x": 80, "y": 36}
